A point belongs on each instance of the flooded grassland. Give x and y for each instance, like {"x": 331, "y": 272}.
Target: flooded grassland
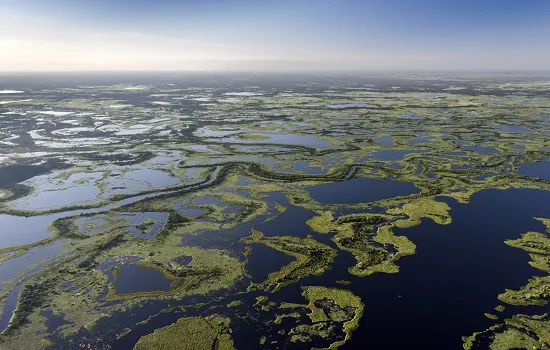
{"x": 275, "y": 212}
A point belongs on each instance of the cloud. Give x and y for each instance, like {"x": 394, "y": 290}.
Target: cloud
{"x": 32, "y": 42}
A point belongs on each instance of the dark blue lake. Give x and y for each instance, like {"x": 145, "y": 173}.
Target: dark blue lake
{"x": 440, "y": 294}
{"x": 538, "y": 169}
{"x": 361, "y": 190}
{"x": 133, "y": 279}
{"x": 512, "y": 128}
{"x": 12, "y": 174}
{"x": 481, "y": 149}
{"x": 263, "y": 260}
{"x": 385, "y": 141}
{"x": 290, "y": 223}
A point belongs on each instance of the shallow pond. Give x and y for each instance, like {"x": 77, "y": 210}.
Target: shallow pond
{"x": 56, "y": 199}
{"x": 418, "y": 140}
{"x": 361, "y": 190}
{"x": 16, "y": 266}
{"x": 12, "y": 174}
{"x": 290, "y": 223}
{"x": 264, "y": 260}
{"x": 155, "y": 178}
{"x": 538, "y": 169}
{"x": 481, "y": 149}
{"x": 512, "y": 128}
{"x": 22, "y": 230}
{"x": 134, "y": 279}
{"x": 9, "y": 307}
{"x": 385, "y": 141}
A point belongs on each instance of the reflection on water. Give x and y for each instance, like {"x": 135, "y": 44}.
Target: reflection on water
{"x": 481, "y": 149}
{"x": 361, "y": 190}
{"x": 15, "y": 173}
{"x": 385, "y": 141}
{"x": 455, "y": 277}
{"x": 394, "y": 154}
{"x": 538, "y": 169}
{"x": 56, "y": 199}
{"x": 263, "y": 260}
{"x": 133, "y": 279}
{"x": 17, "y": 266}
{"x": 9, "y": 307}
{"x": 512, "y": 128}
{"x": 23, "y": 230}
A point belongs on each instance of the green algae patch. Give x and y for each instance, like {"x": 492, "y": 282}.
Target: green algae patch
{"x": 357, "y": 234}
{"x": 85, "y": 303}
{"x": 209, "y": 270}
{"x": 541, "y": 262}
{"x": 546, "y": 223}
{"x": 334, "y": 305}
{"x": 370, "y": 248}
{"x": 311, "y": 258}
{"x": 517, "y": 332}
{"x": 343, "y": 282}
{"x": 323, "y": 223}
{"x": 538, "y": 245}
{"x": 536, "y": 292}
{"x": 235, "y": 303}
{"x": 422, "y": 208}
{"x": 285, "y": 305}
{"x": 190, "y": 333}
{"x": 354, "y": 234}
{"x": 532, "y": 242}
{"x": 252, "y": 137}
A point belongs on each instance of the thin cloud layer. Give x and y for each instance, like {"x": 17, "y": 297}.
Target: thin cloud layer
{"x": 85, "y": 35}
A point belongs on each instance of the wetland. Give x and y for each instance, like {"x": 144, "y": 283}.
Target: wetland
{"x": 275, "y": 212}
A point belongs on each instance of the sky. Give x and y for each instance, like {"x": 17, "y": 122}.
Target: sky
{"x": 274, "y": 35}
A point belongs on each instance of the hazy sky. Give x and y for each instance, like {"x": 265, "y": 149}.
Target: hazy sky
{"x": 369, "y": 35}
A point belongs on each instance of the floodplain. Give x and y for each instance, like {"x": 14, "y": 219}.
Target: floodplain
{"x": 237, "y": 211}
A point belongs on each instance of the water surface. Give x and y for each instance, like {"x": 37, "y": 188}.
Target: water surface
{"x": 361, "y": 190}
{"x": 133, "y": 279}
{"x": 264, "y": 260}
{"x": 394, "y": 154}
{"x": 537, "y": 169}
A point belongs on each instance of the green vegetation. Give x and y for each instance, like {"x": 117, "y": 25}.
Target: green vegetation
{"x": 422, "y": 208}
{"x": 205, "y": 166}
{"x": 518, "y": 332}
{"x": 536, "y": 292}
{"x": 357, "y": 234}
{"x": 522, "y": 331}
{"x": 323, "y": 223}
{"x": 235, "y": 303}
{"x": 330, "y": 305}
{"x": 311, "y": 258}
{"x": 190, "y": 333}
{"x": 533, "y": 242}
